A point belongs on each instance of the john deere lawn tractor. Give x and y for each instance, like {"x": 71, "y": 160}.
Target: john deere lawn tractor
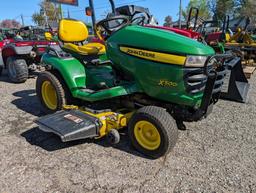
{"x": 236, "y": 86}
{"x": 153, "y": 82}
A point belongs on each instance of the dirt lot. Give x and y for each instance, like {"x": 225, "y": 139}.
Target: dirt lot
{"x": 217, "y": 154}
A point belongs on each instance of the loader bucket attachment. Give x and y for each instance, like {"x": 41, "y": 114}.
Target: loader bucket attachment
{"x": 236, "y": 86}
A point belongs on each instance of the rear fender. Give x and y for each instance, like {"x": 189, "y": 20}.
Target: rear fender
{"x": 12, "y": 50}
{"x": 72, "y": 71}
{"x": 7, "y": 52}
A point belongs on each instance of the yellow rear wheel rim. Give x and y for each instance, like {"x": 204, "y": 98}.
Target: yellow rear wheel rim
{"x": 49, "y": 95}
{"x": 147, "y": 135}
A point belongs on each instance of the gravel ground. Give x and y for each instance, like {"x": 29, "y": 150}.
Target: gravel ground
{"x": 217, "y": 154}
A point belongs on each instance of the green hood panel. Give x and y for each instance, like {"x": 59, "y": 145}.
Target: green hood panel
{"x": 162, "y": 40}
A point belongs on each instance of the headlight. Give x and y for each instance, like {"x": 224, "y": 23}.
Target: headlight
{"x": 195, "y": 61}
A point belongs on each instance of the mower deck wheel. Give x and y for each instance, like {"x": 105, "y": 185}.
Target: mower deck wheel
{"x": 153, "y": 131}
{"x": 113, "y": 136}
{"x": 17, "y": 69}
{"x": 51, "y": 91}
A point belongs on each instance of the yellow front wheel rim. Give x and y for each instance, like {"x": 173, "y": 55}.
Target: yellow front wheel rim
{"x": 147, "y": 135}
{"x": 49, "y": 95}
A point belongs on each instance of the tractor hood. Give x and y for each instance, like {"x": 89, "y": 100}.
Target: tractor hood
{"x": 158, "y": 40}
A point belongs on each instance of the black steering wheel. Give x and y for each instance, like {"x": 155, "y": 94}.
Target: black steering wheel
{"x": 141, "y": 20}
{"x": 110, "y": 25}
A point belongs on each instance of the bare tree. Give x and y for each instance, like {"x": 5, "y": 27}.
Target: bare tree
{"x": 10, "y": 23}
{"x": 168, "y": 21}
{"x": 48, "y": 12}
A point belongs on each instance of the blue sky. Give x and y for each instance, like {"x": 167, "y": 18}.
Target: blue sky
{"x": 12, "y": 9}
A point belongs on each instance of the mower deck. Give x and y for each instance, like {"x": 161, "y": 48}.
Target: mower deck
{"x": 75, "y": 123}
{"x": 70, "y": 125}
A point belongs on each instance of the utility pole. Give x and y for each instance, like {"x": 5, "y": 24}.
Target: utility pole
{"x": 60, "y": 10}
{"x": 22, "y": 20}
{"x": 68, "y": 14}
{"x": 180, "y": 14}
{"x": 46, "y": 18}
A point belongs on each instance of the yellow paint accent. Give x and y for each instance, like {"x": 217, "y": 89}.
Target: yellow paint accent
{"x": 72, "y": 31}
{"x": 235, "y": 44}
{"x": 48, "y": 36}
{"x": 228, "y": 37}
{"x": 87, "y": 49}
{"x": 110, "y": 120}
{"x": 98, "y": 33}
{"x": 241, "y": 35}
{"x": 155, "y": 56}
{"x": 167, "y": 83}
{"x": 147, "y": 135}
{"x": 76, "y": 31}
{"x": 70, "y": 107}
{"x": 49, "y": 95}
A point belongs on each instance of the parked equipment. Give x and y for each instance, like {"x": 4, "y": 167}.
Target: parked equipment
{"x": 243, "y": 43}
{"x": 24, "y": 53}
{"x": 236, "y": 86}
{"x": 153, "y": 82}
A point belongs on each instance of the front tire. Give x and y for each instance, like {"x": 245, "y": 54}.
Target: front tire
{"x": 51, "y": 92}
{"x": 17, "y": 69}
{"x": 153, "y": 131}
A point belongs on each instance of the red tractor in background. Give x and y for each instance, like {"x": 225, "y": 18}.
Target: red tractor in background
{"x": 6, "y": 36}
{"x": 188, "y": 31}
{"x": 24, "y": 53}
{"x": 141, "y": 15}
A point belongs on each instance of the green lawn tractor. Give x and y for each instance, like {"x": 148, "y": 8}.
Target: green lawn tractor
{"x": 153, "y": 81}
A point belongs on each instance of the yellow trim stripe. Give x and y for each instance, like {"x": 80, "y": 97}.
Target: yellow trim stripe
{"x": 240, "y": 44}
{"x": 155, "y": 56}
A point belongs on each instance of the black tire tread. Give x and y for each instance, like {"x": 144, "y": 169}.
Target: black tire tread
{"x": 61, "y": 93}
{"x": 21, "y": 69}
{"x": 162, "y": 118}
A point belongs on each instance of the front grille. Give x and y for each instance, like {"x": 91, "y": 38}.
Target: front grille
{"x": 195, "y": 79}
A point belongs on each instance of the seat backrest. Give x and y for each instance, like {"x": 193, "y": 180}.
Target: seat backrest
{"x": 72, "y": 31}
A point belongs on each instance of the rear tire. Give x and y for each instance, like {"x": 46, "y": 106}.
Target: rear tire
{"x": 153, "y": 131}
{"x": 51, "y": 92}
{"x": 17, "y": 69}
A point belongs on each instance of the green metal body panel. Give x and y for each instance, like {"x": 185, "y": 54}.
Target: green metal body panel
{"x": 159, "y": 40}
{"x": 106, "y": 93}
{"x": 219, "y": 47}
{"x": 103, "y": 57}
{"x": 78, "y": 78}
{"x": 149, "y": 74}
{"x": 72, "y": 71}
{"x": 98, "y": 74}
